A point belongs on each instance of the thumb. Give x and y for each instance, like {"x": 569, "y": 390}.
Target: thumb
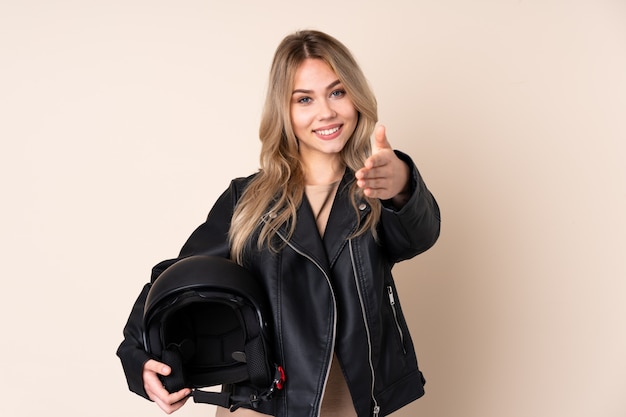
{"x": 158, "y": 367}
{"x": 380, "y": 139}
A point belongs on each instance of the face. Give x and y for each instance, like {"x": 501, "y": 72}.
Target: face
{"x": 322, "y": 115}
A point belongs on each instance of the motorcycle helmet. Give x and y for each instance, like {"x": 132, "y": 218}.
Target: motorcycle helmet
{"x": 208, "y": 319}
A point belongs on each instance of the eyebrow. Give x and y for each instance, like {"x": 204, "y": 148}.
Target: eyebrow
{"x": 303, "y": 91}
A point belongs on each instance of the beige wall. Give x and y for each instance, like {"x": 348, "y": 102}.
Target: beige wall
{"x": 122, "y": 121}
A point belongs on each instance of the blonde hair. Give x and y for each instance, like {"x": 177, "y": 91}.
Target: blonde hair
{"x": 273, "y": 196}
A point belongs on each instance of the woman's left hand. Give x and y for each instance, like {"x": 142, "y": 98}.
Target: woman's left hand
{"x": 384, "y": 176}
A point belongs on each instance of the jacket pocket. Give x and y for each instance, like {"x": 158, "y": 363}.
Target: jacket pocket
{"x": 394, "y": 310}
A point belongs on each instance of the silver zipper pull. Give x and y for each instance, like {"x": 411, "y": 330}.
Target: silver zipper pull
{"x": 392, "y": 300}
{"x": 376, "y": 410}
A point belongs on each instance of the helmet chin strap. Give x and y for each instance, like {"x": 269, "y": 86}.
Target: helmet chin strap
{"x": 175, "y": 355}
{"x": 254, "y": 399}
{"x": 175, "y": 381}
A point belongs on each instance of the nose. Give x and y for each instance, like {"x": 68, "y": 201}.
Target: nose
{"x": 326, "y": 110}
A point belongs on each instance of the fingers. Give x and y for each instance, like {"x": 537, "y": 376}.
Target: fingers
{"x": 378, "y": 181}
{"x": 168, "y": 402}
{"x": 168, "y": 407}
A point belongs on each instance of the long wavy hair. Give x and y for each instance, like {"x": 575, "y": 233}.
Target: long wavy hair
{"x": 272, "y": 198}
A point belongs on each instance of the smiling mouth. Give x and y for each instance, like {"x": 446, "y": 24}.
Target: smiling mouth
{"x": 327, "y": 132}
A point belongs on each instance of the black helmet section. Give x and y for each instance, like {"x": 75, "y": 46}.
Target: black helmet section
{"x": 206, "y": 317}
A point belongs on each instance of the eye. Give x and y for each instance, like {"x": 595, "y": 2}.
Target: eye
{"x": 338, "y": 93}
{"x": 304, "y": 100}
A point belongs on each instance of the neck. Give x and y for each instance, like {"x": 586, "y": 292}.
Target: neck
{"x": 322, "y": 173}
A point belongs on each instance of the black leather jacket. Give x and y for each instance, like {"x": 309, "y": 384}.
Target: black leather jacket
{"x": 334, "y": 294}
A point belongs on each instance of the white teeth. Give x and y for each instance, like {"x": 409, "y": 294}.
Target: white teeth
{"x": 327, "y": 131}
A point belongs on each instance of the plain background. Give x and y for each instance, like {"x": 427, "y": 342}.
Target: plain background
{"x": 122, "y": 121}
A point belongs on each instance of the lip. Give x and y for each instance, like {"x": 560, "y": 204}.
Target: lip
{"x": 335, "y": 130}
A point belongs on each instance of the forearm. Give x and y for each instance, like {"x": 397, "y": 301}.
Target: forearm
{"x": 412, "y": 226}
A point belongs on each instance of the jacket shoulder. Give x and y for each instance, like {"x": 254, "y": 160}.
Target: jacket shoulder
{"x": 239, "y": 184}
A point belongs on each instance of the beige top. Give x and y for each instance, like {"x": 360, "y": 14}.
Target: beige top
{"x": 337, "y": 401}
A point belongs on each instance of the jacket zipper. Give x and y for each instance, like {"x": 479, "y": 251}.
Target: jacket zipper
{"x": 392, "y": 302}
{"x": 376, "y": 410}
{"x": 330, "y": 358}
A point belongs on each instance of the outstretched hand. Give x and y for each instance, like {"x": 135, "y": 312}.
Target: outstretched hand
{"x": 384, "y": 176}
{"x": 157, "y": 392}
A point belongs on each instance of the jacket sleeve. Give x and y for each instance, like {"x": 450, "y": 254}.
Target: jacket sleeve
{"x": 131, "y": 351}
{"x": 210, "y": 238}
{"x": 415, "y": 227}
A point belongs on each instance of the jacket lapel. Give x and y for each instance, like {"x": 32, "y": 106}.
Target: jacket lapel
{"x": 306, "y": 237}
{"x": 342, "y": 222}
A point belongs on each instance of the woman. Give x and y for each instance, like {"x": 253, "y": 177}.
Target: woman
{"x": 321, "y": 224}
